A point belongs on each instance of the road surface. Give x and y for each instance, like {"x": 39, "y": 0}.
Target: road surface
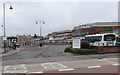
{"x": 46, "y": 54}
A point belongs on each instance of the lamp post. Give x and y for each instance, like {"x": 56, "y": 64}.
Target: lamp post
{"x": 4, "y": 25}
{"x": 40, "y": 22}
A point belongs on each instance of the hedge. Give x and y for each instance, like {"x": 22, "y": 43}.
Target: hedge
{"x": 81, "y": 51}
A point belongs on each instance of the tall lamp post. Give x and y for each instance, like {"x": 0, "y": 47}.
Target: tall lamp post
{"x": 4, "y": 23}
{"x": 40, "y": 22}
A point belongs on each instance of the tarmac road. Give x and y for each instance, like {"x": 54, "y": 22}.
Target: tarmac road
{"x": 36, "y": 54}
{"x": 44, "y": 54}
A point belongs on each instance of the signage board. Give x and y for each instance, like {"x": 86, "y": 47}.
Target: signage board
{"x": 4, "y": 38}
{"x": 76, "y": 43}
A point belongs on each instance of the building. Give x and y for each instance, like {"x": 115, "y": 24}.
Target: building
{"x": 96, "y": 28}
{"x": 64, "y": 36}
{"x": 24, "y": 39}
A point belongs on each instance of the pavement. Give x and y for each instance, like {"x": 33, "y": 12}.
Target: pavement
{"x": 10, "y": 52}
{"x": 105, "y": 65}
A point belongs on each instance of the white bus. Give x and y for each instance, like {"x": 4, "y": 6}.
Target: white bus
{"x": 108, "y": 39}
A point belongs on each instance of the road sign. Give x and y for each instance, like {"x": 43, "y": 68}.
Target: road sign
{"x": 4, "y": 38}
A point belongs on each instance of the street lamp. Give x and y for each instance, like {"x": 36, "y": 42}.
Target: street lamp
{"x": 4, "y": 14}
{"x": 40, "y": 22}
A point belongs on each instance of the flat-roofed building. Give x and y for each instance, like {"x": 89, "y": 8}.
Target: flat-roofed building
{"x": 60, "y": 36}
{"x": 96, "y": 28}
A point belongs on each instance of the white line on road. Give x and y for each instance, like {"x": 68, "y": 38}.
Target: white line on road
{"x": 69, "y": 69}
{"x": 94, "y": 66}
{"x": 22, "y": 65}
{"x": 115, "y": 64}
{"x": 53, "y": 66}
{"x": 34, "y": 72}
{"x": 105, "y": 60}
{"x": 15, "y": 69}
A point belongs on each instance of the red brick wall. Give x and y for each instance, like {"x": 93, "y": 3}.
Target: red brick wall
{"x": 110, "y": 49}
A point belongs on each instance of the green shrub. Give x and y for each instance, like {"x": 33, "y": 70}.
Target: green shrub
{"x": 81, "y": 51}
{"x": 84, "y": 51}
{"x": 88, "y": 51}
{"x": 85, "y": 45}
{"x": 68, "y": 49}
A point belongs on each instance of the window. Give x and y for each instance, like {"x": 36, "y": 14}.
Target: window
{"x": 94, "y": 38}
{"x": 118, "y": 39}
{"x": 109, "y": 37}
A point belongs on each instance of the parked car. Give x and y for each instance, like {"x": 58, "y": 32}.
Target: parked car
{"x": 17, "y": 44}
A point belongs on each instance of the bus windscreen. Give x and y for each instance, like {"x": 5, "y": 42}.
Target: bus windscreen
{"x": 109, "y": 37}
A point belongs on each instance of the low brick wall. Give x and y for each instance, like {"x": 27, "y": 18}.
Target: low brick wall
{"x": 111, "y": 49}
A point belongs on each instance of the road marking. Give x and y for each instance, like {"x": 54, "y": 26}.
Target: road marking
{"x": 94, "y": 66}
{"x": 115, "y": 64}
{"x": 53, "y": 66}
{"x": 66, "y": 69}
{"x": 15, "y": 69}
{"x": 34, "y": 72}
{"x": 6, "y": 68}
{"x": 22, "y": 65}
{"x": 106, "y": 60}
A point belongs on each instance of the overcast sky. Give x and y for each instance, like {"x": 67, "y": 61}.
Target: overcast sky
{"x": 57, "y": 15}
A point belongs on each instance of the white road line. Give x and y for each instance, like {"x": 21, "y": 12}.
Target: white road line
{"x": 15, "y": 69}
{"x": 22, "y": 65}
{"x": 8, "y": 72}
{"x": 105, "y": 60}
{"x": 69, "y": 69}
{"x": 34, "y": 72}
{"x": 53, "y": 66}
{"x": 62, "y": 65}
{"x": 115, "y": 64}
{"x": 94, "y": 66}
{"x": 6, "y": 68}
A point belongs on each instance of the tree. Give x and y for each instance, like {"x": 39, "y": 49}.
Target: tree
{"x": 35, "y": 36}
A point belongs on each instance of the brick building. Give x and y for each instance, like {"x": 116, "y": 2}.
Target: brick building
{"x": 96, "y": 28}
{"x": 23, "y": 39}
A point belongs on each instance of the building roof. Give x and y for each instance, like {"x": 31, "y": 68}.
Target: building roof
{"x": 63, "y": 31}
{"x": 107, "y": 23}
{"x": 97, "y": 24}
